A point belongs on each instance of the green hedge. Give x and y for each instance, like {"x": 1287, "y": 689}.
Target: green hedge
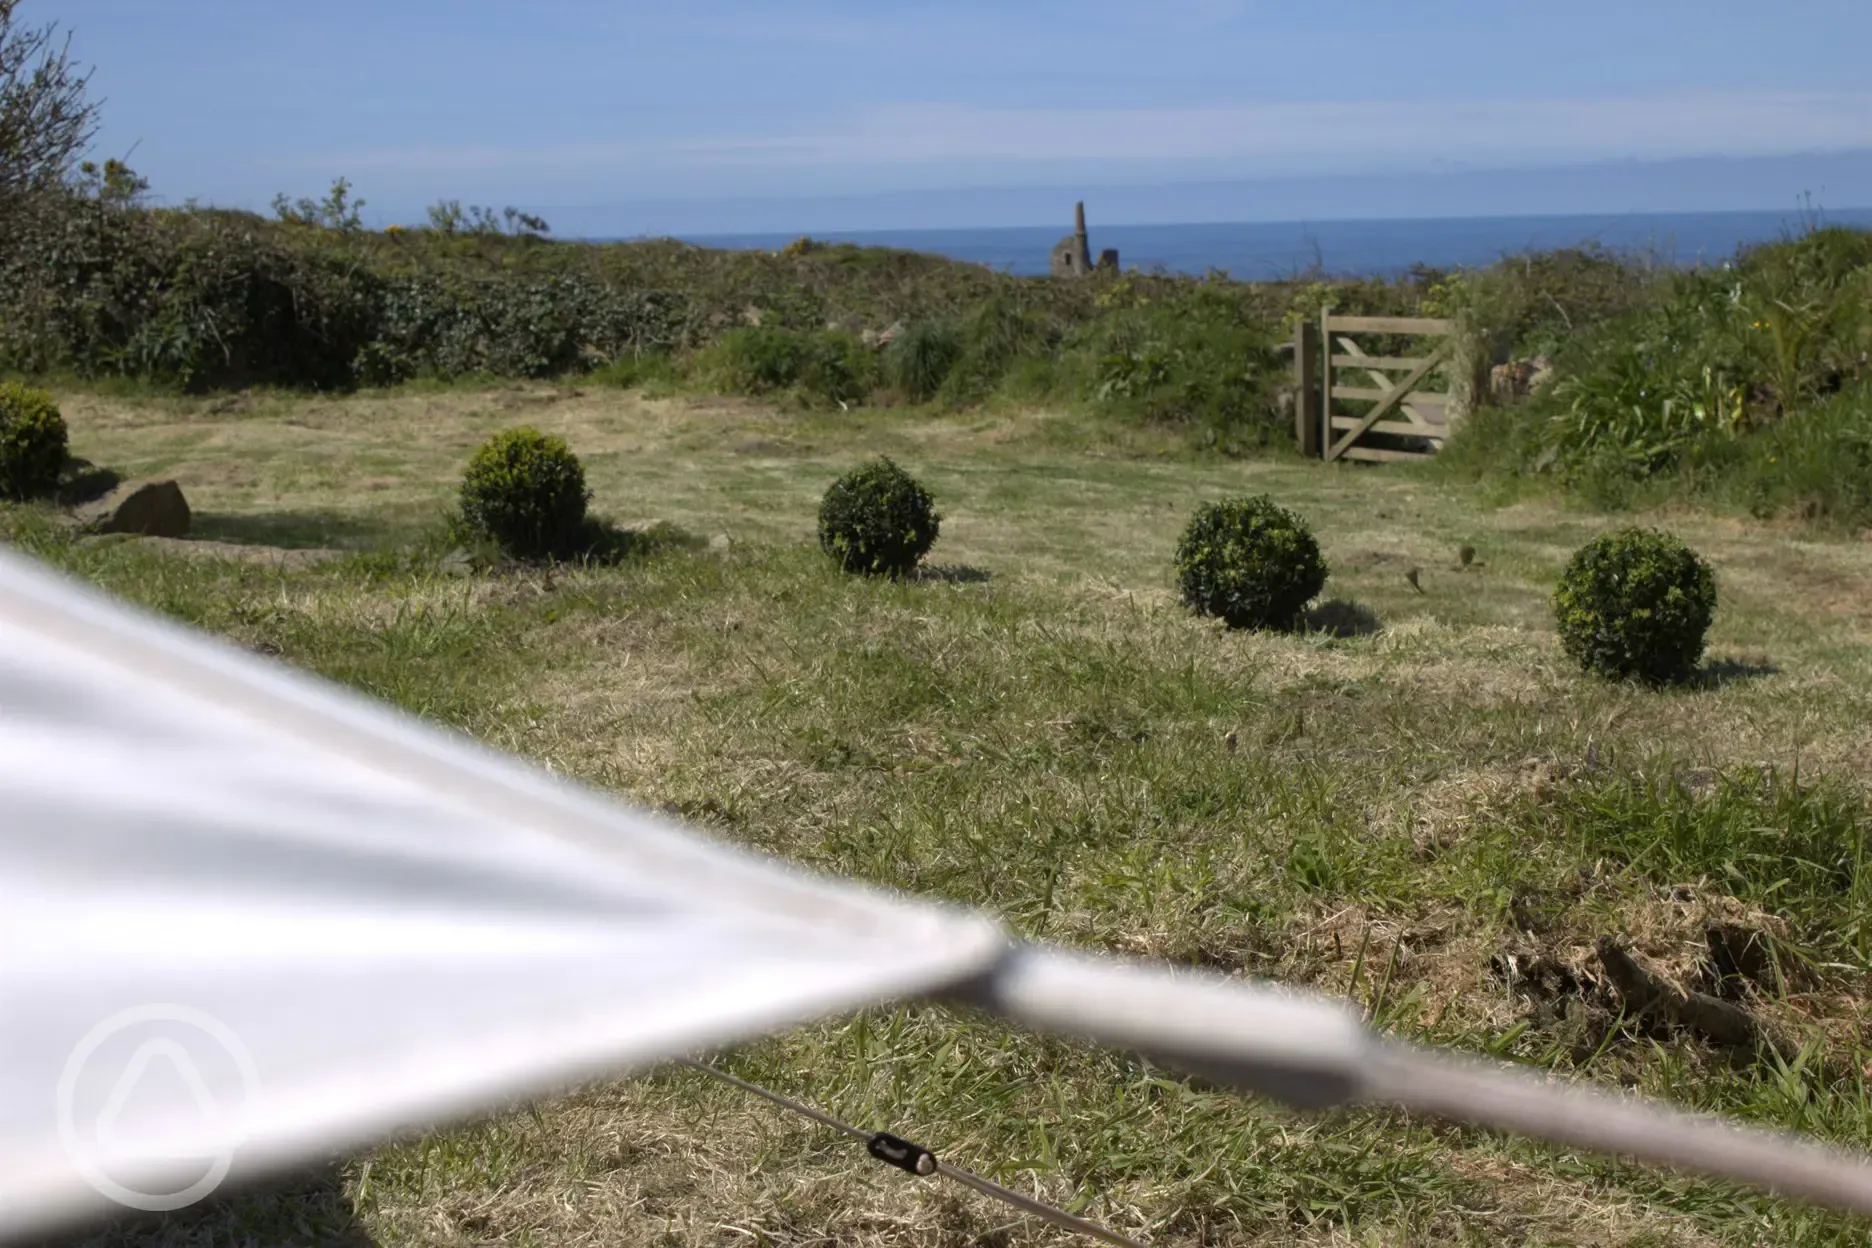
{"x": 207, "y": 299}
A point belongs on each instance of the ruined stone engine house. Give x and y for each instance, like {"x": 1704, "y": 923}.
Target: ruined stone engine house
{"x": 1072, "y": 255}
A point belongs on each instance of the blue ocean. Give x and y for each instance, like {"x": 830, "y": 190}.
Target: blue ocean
{"x": 1273, "y": 250}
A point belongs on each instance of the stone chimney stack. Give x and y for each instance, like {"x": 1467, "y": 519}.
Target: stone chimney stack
{"x": 1082, "y": 247}
{"x": 1072, "y": 255}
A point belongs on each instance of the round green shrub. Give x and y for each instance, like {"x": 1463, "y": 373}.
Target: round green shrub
{"x": 1250, "y": 562}
{"x": 526, "y": 490}
{"x": 34, "y": 443}
{"x": 1636, "y": 605}
{"x": 877, "y": 520}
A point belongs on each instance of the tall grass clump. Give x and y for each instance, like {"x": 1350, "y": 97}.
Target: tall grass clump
{"x": 814, "y": 366}
{"x": 918, "y": 361}
{"x": 1004, "y": 340}
{"x": 1784, "y": 841}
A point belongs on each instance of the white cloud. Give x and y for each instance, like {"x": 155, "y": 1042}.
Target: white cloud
{"x": 880, "y": 144}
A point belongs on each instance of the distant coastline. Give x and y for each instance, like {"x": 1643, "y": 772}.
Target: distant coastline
{"x": 1253, "y": 251}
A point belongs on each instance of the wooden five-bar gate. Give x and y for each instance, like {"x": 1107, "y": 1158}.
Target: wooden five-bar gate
{"x": 1350, "y": 405}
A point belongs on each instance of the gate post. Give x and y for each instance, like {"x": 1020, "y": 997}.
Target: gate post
{"x": 1324, "y": 356}
{"x": 1306, "y": 389}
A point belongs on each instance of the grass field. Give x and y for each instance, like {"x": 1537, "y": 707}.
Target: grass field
{"x": 1416, "y": 804}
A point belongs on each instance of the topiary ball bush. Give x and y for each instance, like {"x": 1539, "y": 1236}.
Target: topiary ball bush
{"x": 34, "y": 443}
{"x": 877, "y": 520}
{"x": 1636, "y": 605}
{"x": 1250, "y": 562}
{"x": 526, "y": 490}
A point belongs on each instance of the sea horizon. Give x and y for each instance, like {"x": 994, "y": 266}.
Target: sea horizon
{"x": 1370, "y": 247}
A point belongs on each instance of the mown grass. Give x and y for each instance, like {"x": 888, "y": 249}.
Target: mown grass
{"x": 1408, "y": 805}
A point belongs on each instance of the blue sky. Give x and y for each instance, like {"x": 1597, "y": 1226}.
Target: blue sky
{"x": 626, "y": 117}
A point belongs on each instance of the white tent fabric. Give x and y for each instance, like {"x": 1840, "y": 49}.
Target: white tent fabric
{"x": 248, "y": 919}
{"x": 394, "y": 925}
